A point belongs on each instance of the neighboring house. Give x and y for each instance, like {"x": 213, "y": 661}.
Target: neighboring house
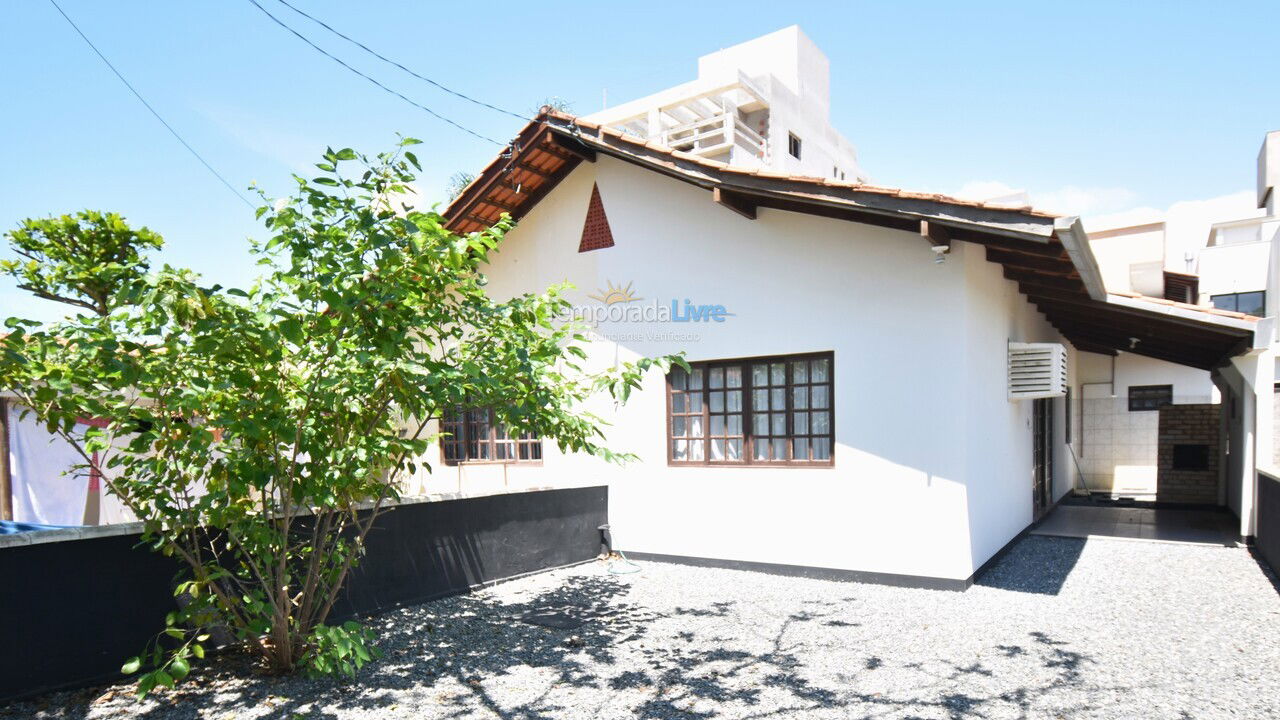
{"x": 765, "y": 103}
{"x": 857, "y": 406}
{"x": 1214, "y": 253}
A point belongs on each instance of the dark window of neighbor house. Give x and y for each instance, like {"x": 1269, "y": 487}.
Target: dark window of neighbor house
{"x": 793, "y": 145}
{"x": 1149, "y": 397}
{"x": 1249, "y": 303}
{"x": 754, "y": 411}
{"x": 1190, "y": 457}
{"x": 473, "y": 436}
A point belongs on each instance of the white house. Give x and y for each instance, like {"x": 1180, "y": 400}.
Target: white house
{"x": 857, "y": 353}
{"x": 763, "y": 103}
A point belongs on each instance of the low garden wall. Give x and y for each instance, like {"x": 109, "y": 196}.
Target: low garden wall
{"x": 77, "y": 602}
{"x": 1267, "y": 538}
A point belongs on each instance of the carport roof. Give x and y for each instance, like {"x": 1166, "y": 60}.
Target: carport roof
{"x": 1048, "y": 256}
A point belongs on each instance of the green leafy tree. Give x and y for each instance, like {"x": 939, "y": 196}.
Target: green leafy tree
{"x": 260, "y": 433}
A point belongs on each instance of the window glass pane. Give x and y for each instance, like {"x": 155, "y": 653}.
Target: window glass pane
{"x": 759, "y": 375}
{"x": 821, "y": 449}
{"x": 695, "y": 426}
{"x": 1251, "y": 303}
{"x": 778, "y": 424}
{"x": 760, "y": 424}
{"x": 800, "y": 372}
{"x": 778, "y": 374}
{"x": 695, "y": 402}
{"x": 800, "y": 446}
{"x": 679, "y": 378}
{"x": 820, "y": 396}
{"x": 800, "y": 397}
{"x": 717, "y": 425}
{"x": 734, "y": 398}
{"x": 733, "y": 376}
{"x": 535, "y": 451}
{"x": 717, "y": 401}
{"x": 734, "y": 450}
{"x": 821, "y": 423}
{"x": 695, "y": 379}
{"x": 696, "y": 450}
{"x": 821, "y": 370}
{"x": 735, "y": 424}
{"x": 760, "y": 450}
{"x": 779, "y": 399}
{"x": 717, "y": 449}
{"x": 801, "y": 423}
{"x": 717, "y": 378}
{"x": 1224, "y": 302}
{"x": 679, "y": 426}
{"x": 679, "y": 403}
{"x": 680, "y": 449}
{"x": 780, "y": 449}
{"x": 760, "y": 400}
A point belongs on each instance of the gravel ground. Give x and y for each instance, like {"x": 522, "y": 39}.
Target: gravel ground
{"x": 1061, "y": 628}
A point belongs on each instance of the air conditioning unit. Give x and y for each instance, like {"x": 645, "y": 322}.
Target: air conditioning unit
{"x": 1037, "y": 370}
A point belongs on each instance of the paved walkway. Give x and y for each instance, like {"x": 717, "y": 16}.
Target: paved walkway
{"x": 1212, "y": 527}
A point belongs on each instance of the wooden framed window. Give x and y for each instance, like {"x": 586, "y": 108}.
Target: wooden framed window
{"x": 754, "y": 411}
{"x": 1149, "y": 397}
{"x": 472, "y": 436}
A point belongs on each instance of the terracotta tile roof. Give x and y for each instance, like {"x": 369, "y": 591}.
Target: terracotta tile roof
{"x": 1208, "y": 310}
{"x": 767, "y": 173}
{"x": 1038, "y": 251}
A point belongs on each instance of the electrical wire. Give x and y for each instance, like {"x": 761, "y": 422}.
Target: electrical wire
{"x": 146, "y": 104}
{"x": 334, "y": 58}
{"x": 389, "y": 61}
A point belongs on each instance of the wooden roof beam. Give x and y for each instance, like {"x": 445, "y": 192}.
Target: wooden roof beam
{"x": 744, "y": 205}
{"x": 574, "y": 146}
{"x": 938, "y": 236}
{"x": 1019, "y": 261}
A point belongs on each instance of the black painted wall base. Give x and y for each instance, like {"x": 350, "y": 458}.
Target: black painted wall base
{"x": 75, "y": 610}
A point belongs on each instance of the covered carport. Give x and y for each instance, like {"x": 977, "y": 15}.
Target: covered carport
{"x": 1234, "y": 348}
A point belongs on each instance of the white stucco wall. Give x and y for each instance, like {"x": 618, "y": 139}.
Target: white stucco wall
{"x": 932, "y": 468}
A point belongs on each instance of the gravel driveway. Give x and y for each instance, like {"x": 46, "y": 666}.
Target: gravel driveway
{"x": 1061, "y": 628}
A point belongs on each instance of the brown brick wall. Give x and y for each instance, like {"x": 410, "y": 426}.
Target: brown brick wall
{"x": 1192, "y": 425}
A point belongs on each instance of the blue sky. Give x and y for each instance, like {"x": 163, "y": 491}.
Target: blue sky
{"x": 1113, "y": 105}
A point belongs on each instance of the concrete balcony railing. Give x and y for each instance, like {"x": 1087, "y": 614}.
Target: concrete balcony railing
{"x": 716, "y": 135}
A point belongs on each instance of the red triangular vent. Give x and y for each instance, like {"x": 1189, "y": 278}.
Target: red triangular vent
{"x": 595, "y": 231}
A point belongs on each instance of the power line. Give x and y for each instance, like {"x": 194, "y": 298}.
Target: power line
{"x": 389, "y": 61}
{"x": 334, "y": 58}
{"x": 143, "y": 100}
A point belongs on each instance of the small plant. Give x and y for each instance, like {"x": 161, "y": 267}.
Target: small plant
{"x": 259, "y": 433}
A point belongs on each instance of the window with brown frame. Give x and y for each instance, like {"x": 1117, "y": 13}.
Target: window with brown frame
{"x": 472, "y": 436}
{"x": 755, "y": 411}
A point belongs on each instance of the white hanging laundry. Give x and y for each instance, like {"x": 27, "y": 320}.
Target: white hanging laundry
{"x": 45, "y": 489}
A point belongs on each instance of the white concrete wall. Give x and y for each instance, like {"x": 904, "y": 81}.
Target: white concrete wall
{"x": 998, "y": 432}
{"x": 932, "y": 464}
{"x": 1122, "y": 260}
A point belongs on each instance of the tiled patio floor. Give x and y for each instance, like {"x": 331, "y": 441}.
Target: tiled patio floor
{"x": 1138, "y": 523}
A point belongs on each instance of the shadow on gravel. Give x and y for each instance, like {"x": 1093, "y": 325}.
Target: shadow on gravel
{"x": 453, "y": 657}
{"x": 1036, "y": 564}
